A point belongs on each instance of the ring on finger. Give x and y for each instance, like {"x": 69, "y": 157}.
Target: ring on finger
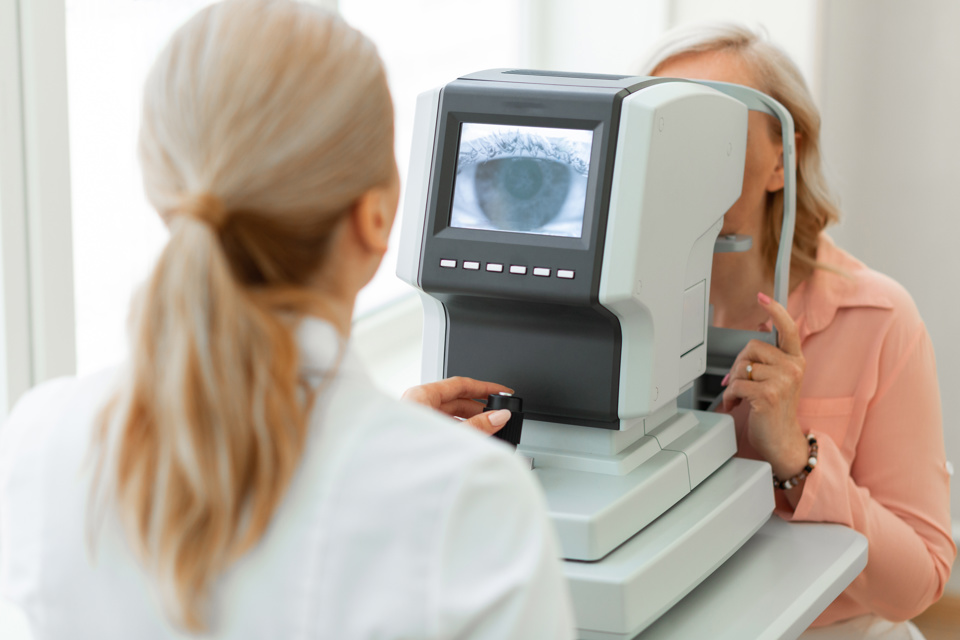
{"x": 750, "y": 371}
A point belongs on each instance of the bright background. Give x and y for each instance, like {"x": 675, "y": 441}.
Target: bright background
{"x": 885, "y": 73}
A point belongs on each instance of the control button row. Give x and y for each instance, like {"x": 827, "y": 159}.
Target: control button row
{"x": 517, "y": 269}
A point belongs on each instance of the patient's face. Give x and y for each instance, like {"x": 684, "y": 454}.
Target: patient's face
{"x": 763, "y": 148}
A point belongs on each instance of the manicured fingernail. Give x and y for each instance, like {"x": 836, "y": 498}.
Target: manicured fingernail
{"x": 726, "y": 379}
{"x": 500, "y": 417}
{"x": 763, "y": 298}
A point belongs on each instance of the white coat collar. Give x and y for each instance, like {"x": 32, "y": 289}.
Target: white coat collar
{"x": 323, "y": 350}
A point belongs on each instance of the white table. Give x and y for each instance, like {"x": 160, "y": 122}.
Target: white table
{"x": 772, "y": 588}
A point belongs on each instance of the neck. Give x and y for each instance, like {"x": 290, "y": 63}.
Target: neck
{"x": 324, "y": 303}
{"x": 334, "y": 306}
{"x": 736, "y": 280}
{"x": 339, "y": 313}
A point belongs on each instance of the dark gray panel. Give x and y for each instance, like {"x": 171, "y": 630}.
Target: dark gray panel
{"x": 563, "y": 360}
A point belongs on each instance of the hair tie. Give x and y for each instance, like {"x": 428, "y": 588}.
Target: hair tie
{"x": 204, "y": 207}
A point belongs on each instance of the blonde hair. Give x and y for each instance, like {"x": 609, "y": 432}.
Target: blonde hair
{"x": 777, "y": 76}
{"x": 263, "y": 123}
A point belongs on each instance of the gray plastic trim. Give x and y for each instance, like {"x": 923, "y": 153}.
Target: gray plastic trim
{"x": 732, "y": 243}
{"x": 727, "y": 343}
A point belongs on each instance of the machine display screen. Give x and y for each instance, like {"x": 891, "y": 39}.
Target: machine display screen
{"x": 521, "y": 179}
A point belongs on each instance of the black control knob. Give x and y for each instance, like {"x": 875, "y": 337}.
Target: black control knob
{"x": 510, "y": 431}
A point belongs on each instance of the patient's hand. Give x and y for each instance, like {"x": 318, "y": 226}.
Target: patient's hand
{"x": 458, "y": 397}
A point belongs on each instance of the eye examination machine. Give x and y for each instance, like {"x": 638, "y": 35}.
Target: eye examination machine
{"x": 561, "y": 230}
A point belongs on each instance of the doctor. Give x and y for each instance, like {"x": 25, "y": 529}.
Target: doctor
{"x": 239, "y": 476}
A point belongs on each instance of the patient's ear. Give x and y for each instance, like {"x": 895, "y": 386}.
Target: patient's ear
{"x": 776, "y": 180}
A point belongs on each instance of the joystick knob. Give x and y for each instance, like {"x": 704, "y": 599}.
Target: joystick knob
{"x": 510, "y": 431}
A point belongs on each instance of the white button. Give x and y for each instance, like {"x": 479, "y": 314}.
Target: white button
{"x": 565, "y": 273}
{"x": 541, "y": 271}
{"x": 448, "y": 264}
{"x": 518, "y": 269}
{"x": 493, "y": 266}
{"x": 473, "y": 266}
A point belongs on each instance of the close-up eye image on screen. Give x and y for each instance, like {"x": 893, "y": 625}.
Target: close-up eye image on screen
{"x": 522, "y": 179}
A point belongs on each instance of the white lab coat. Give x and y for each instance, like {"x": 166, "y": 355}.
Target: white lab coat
{"x": 399, "y": 523}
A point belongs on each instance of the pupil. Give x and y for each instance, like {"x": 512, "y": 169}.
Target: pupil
{"x": 522, "y": 177}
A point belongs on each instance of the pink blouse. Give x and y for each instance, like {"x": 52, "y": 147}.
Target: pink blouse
{"x": 870, "y": 396}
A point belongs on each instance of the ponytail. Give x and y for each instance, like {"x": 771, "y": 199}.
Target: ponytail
{"x": 215, "y": 422}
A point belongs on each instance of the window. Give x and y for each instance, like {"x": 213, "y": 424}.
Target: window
{"x": 36, "y": 288}
{"x": 117, "y": 235}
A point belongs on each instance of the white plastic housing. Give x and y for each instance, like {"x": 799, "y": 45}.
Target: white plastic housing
{"x": 411, "y": 233}
{"x": 678, "y": 168}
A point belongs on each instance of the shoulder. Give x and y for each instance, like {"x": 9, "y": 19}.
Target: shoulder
{"x": 425, "y": 517}
{"x": 859, "y": 292}
{"x": 866, "y": 324}
{"x": 395, "y": 453}
{"x": 37, "y": 415}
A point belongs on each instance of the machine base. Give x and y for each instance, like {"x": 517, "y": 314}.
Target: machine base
{"x": 619, "y": 596}
{"x": 594, "y": 513}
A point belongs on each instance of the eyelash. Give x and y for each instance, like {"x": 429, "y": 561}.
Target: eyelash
{"x": 504, "y": 144}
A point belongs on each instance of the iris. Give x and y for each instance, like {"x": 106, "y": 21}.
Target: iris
{"x": 520, "y": 194}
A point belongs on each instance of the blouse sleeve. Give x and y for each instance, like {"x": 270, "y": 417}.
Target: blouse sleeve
{"x": 502, "y": 581}
{"x": 896, "y": 492}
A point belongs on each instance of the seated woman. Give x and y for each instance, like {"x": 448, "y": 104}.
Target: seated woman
{"x": 245, "y": 479}
{"x": 855, "y": 367}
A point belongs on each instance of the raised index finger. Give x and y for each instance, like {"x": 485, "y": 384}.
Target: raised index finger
{"x": 786, "y": 327}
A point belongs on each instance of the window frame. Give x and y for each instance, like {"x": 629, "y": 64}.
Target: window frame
{"x": 37, "y": 329}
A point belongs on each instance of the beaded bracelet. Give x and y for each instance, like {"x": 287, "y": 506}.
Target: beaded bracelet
{"x": 790, "y": 483}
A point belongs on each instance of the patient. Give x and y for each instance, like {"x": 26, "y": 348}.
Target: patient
{"x": 239, "y": 476}
{"x": 855, "y": 367}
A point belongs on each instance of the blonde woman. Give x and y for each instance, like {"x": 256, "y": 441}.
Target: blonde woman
{"x": 240, "y": 477}
{"x": 855, "y": 366}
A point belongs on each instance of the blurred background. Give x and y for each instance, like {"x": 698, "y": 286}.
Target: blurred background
{"x": 77, "y": 235}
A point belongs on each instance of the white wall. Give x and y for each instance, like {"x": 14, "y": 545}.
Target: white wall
{"x": 608, "y": 36}
{"x": 890, "y": 90}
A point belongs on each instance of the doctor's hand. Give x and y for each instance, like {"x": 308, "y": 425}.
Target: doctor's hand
{"x": 768, "y": 378}
{"x": 457, "y": 397}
